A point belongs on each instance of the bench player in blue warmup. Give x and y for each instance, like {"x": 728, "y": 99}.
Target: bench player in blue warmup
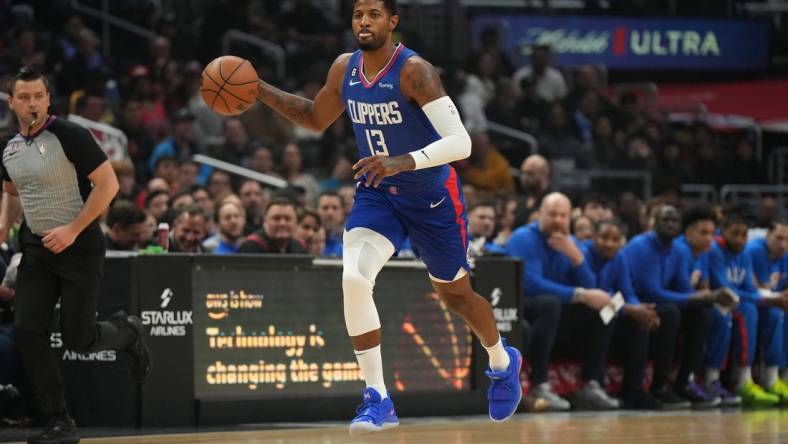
{"x": 408, "y": 131}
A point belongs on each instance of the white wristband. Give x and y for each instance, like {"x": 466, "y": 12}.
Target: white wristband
{"x": 454, "y": 144}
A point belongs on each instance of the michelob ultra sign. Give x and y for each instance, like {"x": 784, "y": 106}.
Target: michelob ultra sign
{"x": 634, "y": 43}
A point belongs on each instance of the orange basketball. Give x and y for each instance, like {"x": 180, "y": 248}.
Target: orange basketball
{"x": 229, "y": 85}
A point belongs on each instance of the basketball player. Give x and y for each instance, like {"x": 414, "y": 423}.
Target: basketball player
{"x": 407, "y": 130}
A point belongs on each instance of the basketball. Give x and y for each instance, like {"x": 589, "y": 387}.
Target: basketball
{"x": 229, "y": 85}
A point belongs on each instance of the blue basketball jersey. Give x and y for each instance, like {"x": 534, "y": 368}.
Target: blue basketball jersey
{"x": 384, "y": 121}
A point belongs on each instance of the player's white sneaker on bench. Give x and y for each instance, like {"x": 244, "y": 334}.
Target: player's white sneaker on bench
{"x": 374, "y": 414}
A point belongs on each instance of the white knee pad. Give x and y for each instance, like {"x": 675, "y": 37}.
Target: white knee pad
{"x": 364, "y": 254}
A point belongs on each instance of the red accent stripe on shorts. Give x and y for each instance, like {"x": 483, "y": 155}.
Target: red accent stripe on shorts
{"x": 741, "y": 324}
{"x": 454, "y": 195}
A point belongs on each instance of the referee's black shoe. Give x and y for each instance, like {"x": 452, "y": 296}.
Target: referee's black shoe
{"x": 59, "y": 430}
{"x": 140, "y": 358}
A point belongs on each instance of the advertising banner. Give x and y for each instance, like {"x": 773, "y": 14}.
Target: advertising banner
{"x": 280, "y": 333}
{"x": 635, "y": 43}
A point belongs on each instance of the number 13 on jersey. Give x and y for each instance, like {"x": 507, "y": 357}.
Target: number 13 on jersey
{"x": 377, "y": 144}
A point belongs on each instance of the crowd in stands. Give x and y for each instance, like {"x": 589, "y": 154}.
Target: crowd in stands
{"x": 683, "y": 272}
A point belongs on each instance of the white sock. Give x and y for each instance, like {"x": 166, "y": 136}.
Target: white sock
{"x": 712, "y": 375}
{"x": 770, "y": 375}
{"x": 371, "y": 363}
{"x": 499, "y": 359}
{"x": 745, "y": 376}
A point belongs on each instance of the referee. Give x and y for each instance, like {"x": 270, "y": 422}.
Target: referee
{"x": 63, "y": 181}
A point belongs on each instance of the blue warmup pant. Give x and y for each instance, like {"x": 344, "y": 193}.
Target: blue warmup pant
{"x": 719, "y": 341}
{"x": 764, "y": 328}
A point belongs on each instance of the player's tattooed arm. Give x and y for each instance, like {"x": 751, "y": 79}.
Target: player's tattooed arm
{"x": 317, "y": 114}
{"x": 420, "y": 81}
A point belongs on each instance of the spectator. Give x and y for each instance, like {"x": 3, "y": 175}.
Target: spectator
{"x": 128, "y": 188}
{"x": 639, "y": 155}
{"x": 219, "y": 183}
{"x": 584, "y": 116}
{"x": 506, "y": 224}
{"x": 561, "y": 299}
{"x": 180, "y": 200}
{"x": 550, "y": 85}
{"x": 558, "y": 142}
{"x": 348, "y": 194}
{"x": 126, "y": 224}
{"x": 236, "y": 148}
{"x": 86, "y": 59}
{"x": 188, "y": 231}
{"x": 203, "y": 198}
{"x": 481, "y": 227}
{"x": 491, "y": 45}
{"x": 254, "y": 201}
{"x": 531, "y": 109}
{"x": 149, "y": 228}
{"x": 262, "y": 161}
{"x": 168, "y": 168}
{"x": 708, "y": 168}
{"x": 502, "y": 109}
{"x": 767, "y": 210}
{"x": 605, "y": 147}
{"x": 292, "y": 172}
{"x": 309, "y": 231}
{"x": 157, "y": 203}
{"x": 207, "y": 124}
{"x": 596, "y": 207}
{"x": 266, "y": 126}
{"x": 670, "y": 168}
{"x": 535, "y": 184}
{"x": 730, "y": 268}
{"x": 630, "y": 211}
{"x": 278, "y": 232}
{"x": 660, "y": 276}
{"x": 332, "y": 217}
{"x": 140, "y": 143}
{"x": 742, "y": 165}
{"x": 230, "y": 218}
{"x": 182, "y": 145}
{"x": 486, "y": 169}
{"x": 154, "y": 113}
{"x": 188, "y": 175}
{"x": 637, "y": 322}
{"x": 25, "y": 51}
{"x": 583, "y": 228}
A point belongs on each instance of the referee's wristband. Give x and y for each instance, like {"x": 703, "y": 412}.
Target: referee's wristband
{"x": 577, "y": 295}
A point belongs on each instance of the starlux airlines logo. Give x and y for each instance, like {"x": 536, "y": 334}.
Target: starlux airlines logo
{"x": 623, "y": 41}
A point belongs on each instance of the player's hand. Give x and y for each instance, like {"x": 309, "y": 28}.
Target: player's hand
{"x": 780, "y": 302}
{"x": 644, "y": 314}
{"x": 563, "y": 243}
{"x": 59, "y": 238}
{"x": 726, "y": 297}
{"x": 595, "y": 298}
{"x": 378, "y": 167}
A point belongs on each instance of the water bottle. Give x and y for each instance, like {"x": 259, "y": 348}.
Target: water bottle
{"x": 163, "y": 236}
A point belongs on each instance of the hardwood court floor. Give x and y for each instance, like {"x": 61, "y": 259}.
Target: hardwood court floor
{"x": 752, "y": 427}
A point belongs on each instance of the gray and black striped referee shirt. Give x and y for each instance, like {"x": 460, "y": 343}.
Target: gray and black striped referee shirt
{"x": 50, "y": 171}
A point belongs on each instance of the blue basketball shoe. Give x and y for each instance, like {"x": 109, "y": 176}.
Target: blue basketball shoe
{"x": 374, "y": 414}
{"x": 505, "y": 392}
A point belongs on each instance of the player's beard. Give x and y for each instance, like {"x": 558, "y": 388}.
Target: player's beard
{"x": 370, "y": 45}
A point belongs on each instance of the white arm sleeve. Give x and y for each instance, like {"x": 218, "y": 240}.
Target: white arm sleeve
{"x": 454, "y": 144}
